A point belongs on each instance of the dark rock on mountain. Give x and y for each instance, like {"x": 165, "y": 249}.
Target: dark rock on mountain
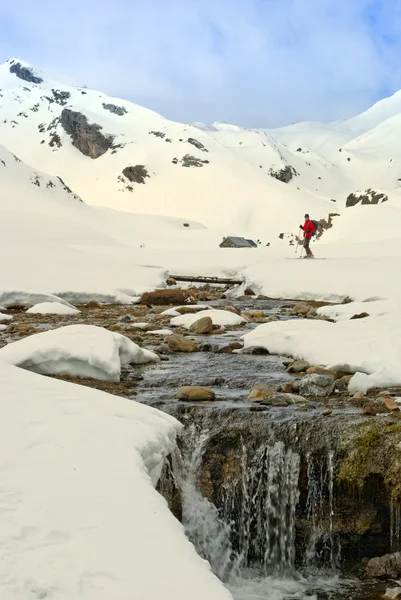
{"x": 370, "y": 196}
{"x": 285, "y": 175}
{"x": 86, "y": 137}
{"x": 25, "y": 73}
{"x": 116, "y": 110}
{"x": 136, "y": 174}
{"x": 197, "y": 144}
{"x": 191, "y": 161}
{"x": 61, "y": 97}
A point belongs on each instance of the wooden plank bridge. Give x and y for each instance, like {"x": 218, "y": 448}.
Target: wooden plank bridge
{"x": 211, "y": 280}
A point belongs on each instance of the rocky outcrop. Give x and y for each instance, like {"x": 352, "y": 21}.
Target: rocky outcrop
{"x": 191, "y": 161}
{"x": 86, "y": 137}
{"x": 197, "y": 144}
{"x": 369, "y": 196}
{"x": 114, "y": 109}
{"x": 384, "y": 567}
{"x": 25, "y": 73}
{"x": 285, "y": 175}
{"x": 136, "y": 174}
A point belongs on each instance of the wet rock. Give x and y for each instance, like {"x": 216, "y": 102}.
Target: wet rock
{"x": 236, "y": 345}
{"x": 256, "y": 350}
{"x": 261, "y": 392}
{"x": 195, "y": 393}
{"x": 340, "y": 385}
{"x": 298, "y": 366}
{"x": 225, "y": 349}
{"x": 384, "y": 567}
{"x": 288, "y": 388}
{"x": 202, "y": 326}
{"x": 249, "y": 292}
{"x": 361, "y": 315}
{"x": 392, "y": 593}
{"x": 86, "y": 137}
{"x": 168, "y": 297}
{"x": 282, "y": 399}
{"x": 253, "y": 315}
{"x": 300, "y": 309}
{"x": 171, "y": 281}
{"x": 317, "y": 385}
{"x": 115, "y": 327}
{"x": 258, "y": 408}
{"x": 287, "y": 361}
{"x": 370, "y": 406}
{"x": 232, "y": 309}
{"x": 311, "y": 312}
{"x": 327, "y": 412}
{"x": 178, "y": 343}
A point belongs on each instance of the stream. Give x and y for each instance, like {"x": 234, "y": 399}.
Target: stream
{"x": 256, "y": 489}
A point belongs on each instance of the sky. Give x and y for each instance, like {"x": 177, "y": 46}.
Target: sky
{"x": 256, "y": 63}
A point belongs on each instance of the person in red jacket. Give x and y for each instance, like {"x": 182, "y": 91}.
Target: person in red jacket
{"x": 308, "y": 228}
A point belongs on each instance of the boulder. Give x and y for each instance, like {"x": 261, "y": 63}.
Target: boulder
{"x": 384, "y": 567}
{"x": 92, "y": 305}
{"x": 287, "y": 388}
{"x": 298, "y": 366}
{"x": 340, "y": 385}
{"x": 317, "y": 385}
{"x": 261, "y": 392}
{"x": 178, "y": 343}
{"x": 392, "y": 593}
{"x": 257, "y": 350}
{"x": 86, "y": 137}
{"x": 300, "y": 309}
{"x": 195, "y": 393}
{"x": 202, "y": 326}
{"x": 361, "y": 315}
{"x": 236, "y": 345}
{"x": 255, "y": 314}
{"x": 168, "y": 297}
{"x": 320, "y": 371}
{"x": 224, "y": 349}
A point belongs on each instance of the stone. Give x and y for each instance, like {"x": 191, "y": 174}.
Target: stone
{"x": 232, "y": 309}
{"x": 171, "y": 281}
{"x": 361, "y": 315}
{"x": 347, "y": 300}
{"x": 287, "y": 361}
{"x": 168, "y": 297}
{"x": 195, "y": 393}
{"x": 115, "y": 327}
{"x": 384, "y": 393}
{"x": 371, "y": 407}
{"x": 392, "y": 593}
{"x": 272, "y": 319}
{"x": 258, "y": 408}
{"x": 281, "y": 399}
{"x": 249, "y": 292}
{"x": 358, "y": 395}
{"x": 93, "y": 304}
{"x": 136, "y": 173}
{"x": 317, "y": 385}
{"x": 347, "y": 378}
{"x": 300, "y": 309}
{"x": 287, "y": 388}
{"x": 298, "y": 366}
{"x": 225, "y": 349}
{"x": 320, "y": 371}
{"x": 390, "y": 404}
{"x": 178, "y": 343}
{"x": 256, "y": 314}
{"x": 340, "y": 385}
{"x": 86, "y": 137}
{"x": 236, "y": 345}
{"x": 311, "y": 312}
{"x": 256, "y": 350}
{"x": 262, "y": 297}
{"x": 327, "y": 412}
{"x": 384, "y": 567}
{"x": 261, "y": 392}
{"x": 202, "y": 326}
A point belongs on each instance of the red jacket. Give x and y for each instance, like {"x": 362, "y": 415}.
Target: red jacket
{"x": 308, "y": 228}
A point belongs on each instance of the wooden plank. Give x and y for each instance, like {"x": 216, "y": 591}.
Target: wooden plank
{"x": 216, "y": 280}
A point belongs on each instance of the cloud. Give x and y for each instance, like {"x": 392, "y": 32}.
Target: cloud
{"x": 253, "y": 62}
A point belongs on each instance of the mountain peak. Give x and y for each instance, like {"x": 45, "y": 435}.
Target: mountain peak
{"x": 24, "y": 71}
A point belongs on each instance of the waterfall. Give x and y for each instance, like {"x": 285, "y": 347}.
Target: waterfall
{"x": 252, "y": 524}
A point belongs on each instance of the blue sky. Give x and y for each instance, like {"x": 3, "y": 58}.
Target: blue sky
{"x": 252, "y": 62}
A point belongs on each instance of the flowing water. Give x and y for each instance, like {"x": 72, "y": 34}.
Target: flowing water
{"x": 257, "y": 489}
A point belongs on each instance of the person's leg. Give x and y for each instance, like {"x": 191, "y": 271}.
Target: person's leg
{"x": 306, "y": 246}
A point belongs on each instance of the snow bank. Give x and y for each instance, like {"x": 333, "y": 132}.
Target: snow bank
{"x": 80, "y": 517}
{"x": 3, "y": 327}
{"x": 52, "y": 308}
{"x": 219, "y": 317}
{"x": 28, "y": 298}
{"x": 76, "y": 350}
{"x": 4, "y": 317}
{"x": 370, "y": 347}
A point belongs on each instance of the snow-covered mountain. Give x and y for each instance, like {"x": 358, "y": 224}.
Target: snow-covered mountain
{"x": 114, "y": 153}
{"x": 117, "y": 154}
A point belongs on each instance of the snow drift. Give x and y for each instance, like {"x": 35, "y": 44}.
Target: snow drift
{"x": 76, "y": 350}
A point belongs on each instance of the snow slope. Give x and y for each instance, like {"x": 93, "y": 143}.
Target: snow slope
{"x": 225, "y": 187}
{"x": 80, "y": 517}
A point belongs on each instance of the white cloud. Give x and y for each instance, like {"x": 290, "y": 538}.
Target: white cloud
{"x": 254, "y": 62}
